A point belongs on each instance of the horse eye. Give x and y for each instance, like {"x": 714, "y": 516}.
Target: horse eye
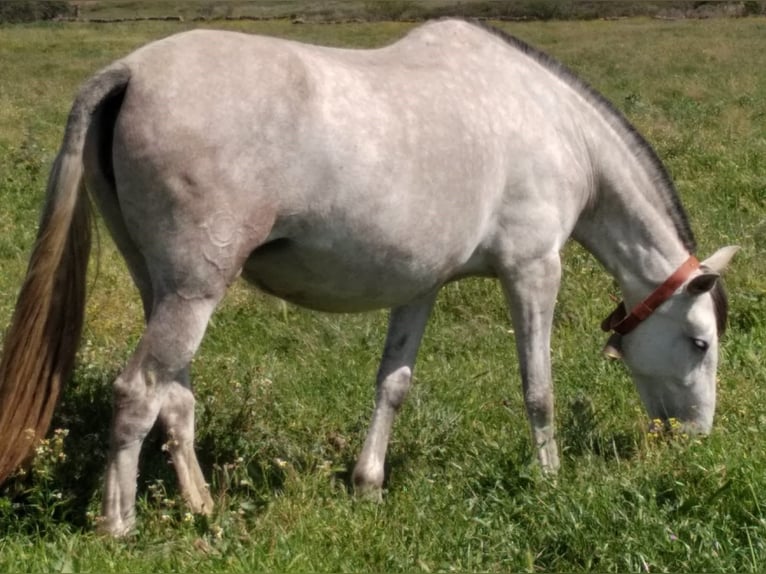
{"x": 700, "y": 344}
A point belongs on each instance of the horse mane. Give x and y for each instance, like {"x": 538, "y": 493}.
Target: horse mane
{"x": 635, "y": 140}
{"x": 720, "y": 306}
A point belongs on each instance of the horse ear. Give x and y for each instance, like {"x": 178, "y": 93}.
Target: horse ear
{"x": 712, "y": 267}
{"x": 719, "y": 260}
{"x": 613, "y": 347}
{"x": 702, "y": 283}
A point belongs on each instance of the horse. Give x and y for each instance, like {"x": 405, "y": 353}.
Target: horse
{"x": 343, "y": 181}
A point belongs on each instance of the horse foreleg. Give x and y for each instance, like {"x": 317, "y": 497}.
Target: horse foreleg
{"x": 531, "y": 293}
{"x": 146, "y": 389}
{"x": 405, "y": 330}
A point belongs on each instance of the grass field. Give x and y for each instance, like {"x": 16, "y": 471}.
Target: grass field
{"x": 284, "y": 395}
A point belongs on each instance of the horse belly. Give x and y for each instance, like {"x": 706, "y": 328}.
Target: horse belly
{"x": 337, "y": 280}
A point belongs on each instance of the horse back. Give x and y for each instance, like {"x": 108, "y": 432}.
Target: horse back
{"x": 395, "y": 161}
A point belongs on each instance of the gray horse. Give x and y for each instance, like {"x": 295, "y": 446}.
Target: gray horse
{"x": 348, "y": 180}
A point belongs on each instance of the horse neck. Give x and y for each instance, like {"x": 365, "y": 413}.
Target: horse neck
{"x": 629, "y": 226}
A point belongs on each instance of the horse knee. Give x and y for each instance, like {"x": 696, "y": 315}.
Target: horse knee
{"x": 539, "y": 401}
{"x": 393, "y": 388}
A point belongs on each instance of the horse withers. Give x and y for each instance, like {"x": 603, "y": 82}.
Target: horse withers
{"x": 348, "y": 180}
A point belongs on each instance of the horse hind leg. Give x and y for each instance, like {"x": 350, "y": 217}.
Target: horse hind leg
{"x": 177, "y": 417}
{"x": 405, "y": 331}
{"x": 135, "y": 401}
{"x": 186, "y": 286}
{"x": 135, "y": 418}
{"x": 154, "y": 385}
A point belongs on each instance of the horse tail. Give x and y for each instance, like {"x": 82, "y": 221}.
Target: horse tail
{"x": 42, "y": 340}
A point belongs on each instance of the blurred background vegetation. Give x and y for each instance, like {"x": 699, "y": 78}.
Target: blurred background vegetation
{"x": 369, "y": 10}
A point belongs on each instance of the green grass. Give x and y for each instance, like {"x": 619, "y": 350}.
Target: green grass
{"x": 284, "y": 395}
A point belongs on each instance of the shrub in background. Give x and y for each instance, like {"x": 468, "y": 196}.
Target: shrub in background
{"x": 12, "y": 11}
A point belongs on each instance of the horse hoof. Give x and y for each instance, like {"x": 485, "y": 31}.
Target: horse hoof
{"x": 548, "y": 457}
{"x": 368, "y": 492}
{"x": 200, "y": 502}
{"x": 367, "y": 478}
{"x": 114, "y": 528}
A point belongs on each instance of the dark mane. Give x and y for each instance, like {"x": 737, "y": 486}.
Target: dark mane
{"x": 637, "y": 142}
{"x": 720, "y": 306}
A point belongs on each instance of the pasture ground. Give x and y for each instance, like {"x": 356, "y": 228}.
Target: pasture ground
{"x": 284, "y": 395}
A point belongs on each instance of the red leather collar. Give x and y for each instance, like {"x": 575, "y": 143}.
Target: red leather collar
{"x": 623, "y": 323}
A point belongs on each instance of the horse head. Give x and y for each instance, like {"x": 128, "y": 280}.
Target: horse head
{"x": 672, "y": 352}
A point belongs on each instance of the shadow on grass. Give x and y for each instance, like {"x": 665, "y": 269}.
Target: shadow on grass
{"x": 580, "y": 434}
{"x": 59, "y": 484}
{"x": 67, "y": 489}
{"x": 63, "y": 484}
{"x": 396, "y": 466}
